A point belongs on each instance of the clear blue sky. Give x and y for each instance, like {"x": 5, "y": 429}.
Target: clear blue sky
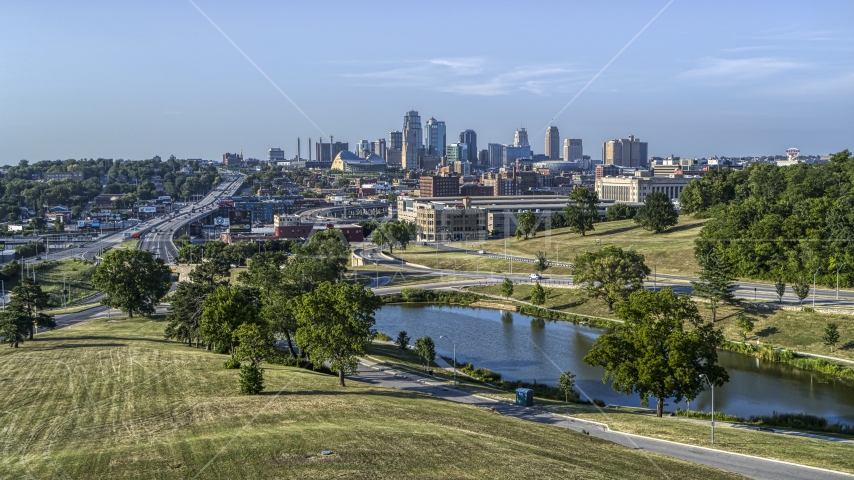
{"x": 135, "y": 79}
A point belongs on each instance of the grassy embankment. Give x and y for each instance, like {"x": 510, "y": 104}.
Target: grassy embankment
{"x": 799, "y": 331}
{"x": 50, "y": 275}
{"x": 461, "y": 261}
{"x": 820, "y": 453}
{"x": 114, "y": 399}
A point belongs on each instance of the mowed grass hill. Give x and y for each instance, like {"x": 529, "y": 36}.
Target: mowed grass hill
{"x": 113, "y": 399}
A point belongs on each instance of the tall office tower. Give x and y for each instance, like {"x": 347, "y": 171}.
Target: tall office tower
{"x": 363, "y": 148}
{"x": 572, "y": 151}
{"x": 395, "y": 140}
{"x": 469, "y": 137}
{"x": 378, "y": 147}
{"x": 457, "y": 152}
{"x": 412, "y": 140}
{"x": 625, "y": 152}
{"x": 483, "y": 159}
{"x": 275, "y": 155}
{"x": 435, "y": 137}
{"x": 521, "y": 139}
{"x": 552, "y": 143}
{"x": 496, "y": 154}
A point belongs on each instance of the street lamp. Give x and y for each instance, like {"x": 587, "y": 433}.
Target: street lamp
{"x": 703, "y": 376}
{"x": 837, "y": 278}
{"x": 455, "y": 358}
{"x": 814, "y": 276}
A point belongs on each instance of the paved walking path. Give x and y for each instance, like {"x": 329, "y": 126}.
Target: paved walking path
{"x": 754, "y": 467}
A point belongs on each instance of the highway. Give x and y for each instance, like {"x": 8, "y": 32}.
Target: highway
{"x": 159, "y": 232}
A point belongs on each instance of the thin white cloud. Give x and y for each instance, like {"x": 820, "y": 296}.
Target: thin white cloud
{"x": 727, "y": 70}
{"x": 467, "y": 76}
{"x": 747, "y": 48}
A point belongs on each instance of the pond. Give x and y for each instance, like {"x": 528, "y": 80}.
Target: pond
{"x": 521, "y": 347}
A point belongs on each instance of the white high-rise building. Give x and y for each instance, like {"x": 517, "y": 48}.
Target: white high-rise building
{"x": 275, "y": 155}
{"x": 521, "y": 138}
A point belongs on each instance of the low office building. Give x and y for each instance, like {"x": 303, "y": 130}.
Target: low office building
{"x": 439, "y": 185}
{"x": 285, "y": 229}
{"x": 634, "y": 189}
{"x": 450, "y": 220}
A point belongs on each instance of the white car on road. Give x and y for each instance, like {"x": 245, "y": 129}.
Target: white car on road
{"x": 535, "y": 276}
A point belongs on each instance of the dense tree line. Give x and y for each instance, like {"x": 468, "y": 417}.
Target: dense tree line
{"x": 132, "y": 181}
{"x": 294, "y": 297}
{"x": 779, "y": 223}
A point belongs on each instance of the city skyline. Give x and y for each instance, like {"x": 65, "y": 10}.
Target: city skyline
{"x": 742, "y": 79}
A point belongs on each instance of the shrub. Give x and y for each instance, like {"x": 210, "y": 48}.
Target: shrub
{"x": 382, "y": 336}
{"x": 598, "y": 402}
{"x": 231, "y": 364}
{"x": 251, "y": 379}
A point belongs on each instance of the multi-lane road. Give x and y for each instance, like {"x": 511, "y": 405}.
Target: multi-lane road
{"x": 159, "y": 232}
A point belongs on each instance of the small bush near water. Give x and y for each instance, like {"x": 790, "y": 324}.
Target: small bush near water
{"x": 800, "y": 421}
{"x": 432, "y": 296}
{"x": 382, "y": 336}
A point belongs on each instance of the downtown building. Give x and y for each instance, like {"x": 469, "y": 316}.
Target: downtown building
{"x": 625, "y": 152}
{"x": 553, "y": 143}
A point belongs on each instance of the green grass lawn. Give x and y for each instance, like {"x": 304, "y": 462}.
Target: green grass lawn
{"x": 675, "y": 247}
{"x": 114, "y": 399}
{"x": 806, "y": 451}
{"x": 461, "y": 261}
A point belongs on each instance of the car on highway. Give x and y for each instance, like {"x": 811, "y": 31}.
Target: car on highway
{"x": 482, "y": 252}
{"x": 38, "y": 257}
{"x": 535, "y": 276}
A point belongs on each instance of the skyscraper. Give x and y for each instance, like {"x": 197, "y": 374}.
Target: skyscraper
{"x": 521, "y": 139}
{"x": 363, "y": 148}
{"x": 469, "y": 137}
{"x": 275, "y": 155}
{"x": 496, "y": 154}
{"x": 572, "y": 150}
{"x": 552, "y": 143}
{"x": 625, "y": 152}
{"x": 411, "y": 139}
{"x": 395, "y": 140}
{"x": 435, "y": 137}
{"x": 378, "y": 147}
{"x": 457, "y": 152}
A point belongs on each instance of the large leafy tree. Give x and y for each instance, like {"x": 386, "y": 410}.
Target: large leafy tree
{"x": 582, "y": 211}
{"x": 335, "y": 323}
{"x": 611, "y": 273}
{"x": 133, "y": 280}
{"x": 186, "y": 317}
{"x": 527, "y": 225}
{"x": 393, "y": 234}
{"x": 27, "y": 299}
{"x": 619, "y": 211}
{"x": 425, "y": 348}
{"x": 661, "y": 350}
{"x": 225, "y": 309}
{"x": 657, "y": 213}
{"x": 255, "y": 346}
{"x": 716, "y": 281}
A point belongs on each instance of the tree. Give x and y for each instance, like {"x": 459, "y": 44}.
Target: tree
{"x": 746, "y": 326}
{"x": 334, "y": 324}
{"x": 557, "y": 220}
{"x": 225, "y": 309}
{"x": 507, "y": 288}
{"x": 254, "y": 345}
{"x": 133, "y": 280}
{"x": 831, "y": 335}
{"x": 402, "y": 340}
{"x": 657, "y": 213}
{"x": 582, "y": 211}
{"x": 425, "y": 349}
{"x": 716, "y": 282}
{"x": 211, "y": 272}
{"x": 780, "y": 286}
{"x": 565, "y": 384}
{"x": 611, "y": 274}
{"x": 527, "y": 224}
{"x": 653, "y": 354}
{"x": 186, "y": 317}
{"x": 619, "y": 211}
{"x": 538, "y": 294}
{"x": 14, "y": 327}
{"x": 27, "y": 299}
{"x": 801, "y": 289}
{"x": 540, "y": 264}
{"x": 393, "y": 234}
